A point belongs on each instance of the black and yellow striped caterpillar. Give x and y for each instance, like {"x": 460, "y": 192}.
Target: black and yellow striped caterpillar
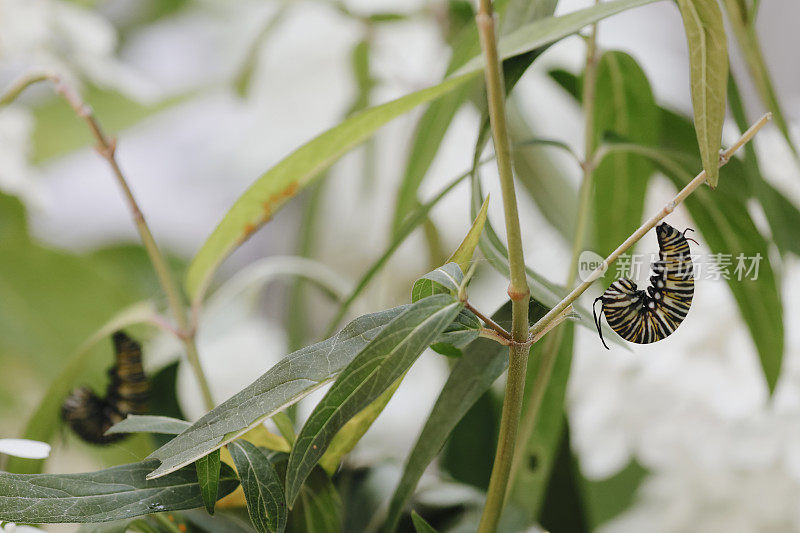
{"x": 90, "y": 416}
{"x": 645, "y": 317}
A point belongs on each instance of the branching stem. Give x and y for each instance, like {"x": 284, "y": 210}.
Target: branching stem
{"x": 106, "y": 147}
{"x": 489, "y": 322}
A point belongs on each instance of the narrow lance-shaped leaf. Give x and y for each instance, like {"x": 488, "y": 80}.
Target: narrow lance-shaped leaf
{"x": 782, "y": 215}
{"x": 274, "y": 188}
{"x": 262, "y": 487}
{"x": 463, "y": 254}
{"x": 282, "y": 182}
{"x": 150, "y": 424}
{"x": 288, "y": 381}
{"x": 111, "y": 494}
{"x": 551, "y": 29}
{"x": 725, "y": 224}
{"x": 372, "y": 371}
{"x": 318, "y": 508}
{"x": 420, "y": 525}
{"x": 355, "y": 428}
{"x": 744, "y": 29}
{"x": 624, "y": 106}
{"x": 444, "y": 280}
{"x": 208, "y": 470}
{"x": 708, "y": 61}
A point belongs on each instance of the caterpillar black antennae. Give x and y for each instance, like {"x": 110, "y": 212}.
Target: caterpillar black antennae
{"x": 597, "y": 320}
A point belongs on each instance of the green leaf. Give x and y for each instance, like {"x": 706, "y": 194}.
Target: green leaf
{"x": 607, "y": 498}
{"x": 782, "y": 215}
{"x": 360, "y": 64}
{"x": 551, "y": 29}
{"x": 285, "y": 426}
{"x": 318, "y": 508}
{"x": 262, "y": 487}
{"x": 744, "y": 29}
{"x": 564, "y": 507}
{"x": 468, "y": 454}
{"x": 461, "y": 332}
{"x": 371, "y": 372}
{"x": 208, "y": 468}
{"x": 150, "y": 424}
{"x": 355, "y": 428}
{"x": 119, "y": 526}
{"x": 463, "y": 254}
{"x": 420, "y": 525}
{"x": 625, "y": 107}
{"x": 111, "y": 494}
{"x": 482, "y": 363}
{"x": 290, "y": 380}
{"x": 294, "y": 377}
{"x": 282, "y": 182}
{"x": 708, "y": 59}
{"x": 444, "y": 280}
{"x": 202, "y": 522}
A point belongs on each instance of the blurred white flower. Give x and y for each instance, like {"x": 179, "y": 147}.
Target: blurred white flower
{"x": 69, "y": 40}
{"x": 25, "y": 448}
{"x": 17, "y": 177}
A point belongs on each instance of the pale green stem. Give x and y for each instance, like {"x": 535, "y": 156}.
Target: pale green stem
{"x": 106, "y": 147}
{"x": 518, "y": 288}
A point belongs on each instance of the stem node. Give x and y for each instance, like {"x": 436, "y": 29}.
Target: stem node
{"x": 517, "y": 295}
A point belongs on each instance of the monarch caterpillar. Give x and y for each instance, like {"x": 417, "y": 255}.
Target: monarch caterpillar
{"x": 645, "y": 317}
{"x": 90, "y": 416}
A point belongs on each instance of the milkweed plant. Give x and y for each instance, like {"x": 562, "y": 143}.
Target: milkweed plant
{"x": 499, "y": 446}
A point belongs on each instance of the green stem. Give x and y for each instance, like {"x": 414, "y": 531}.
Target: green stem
{"x": 106, "y": 147}
{"x": 518, "y": 289}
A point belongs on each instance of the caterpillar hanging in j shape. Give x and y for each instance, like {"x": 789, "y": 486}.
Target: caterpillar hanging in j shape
{"x": 90, "y": 415}
{"x": 648, "y": 316}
